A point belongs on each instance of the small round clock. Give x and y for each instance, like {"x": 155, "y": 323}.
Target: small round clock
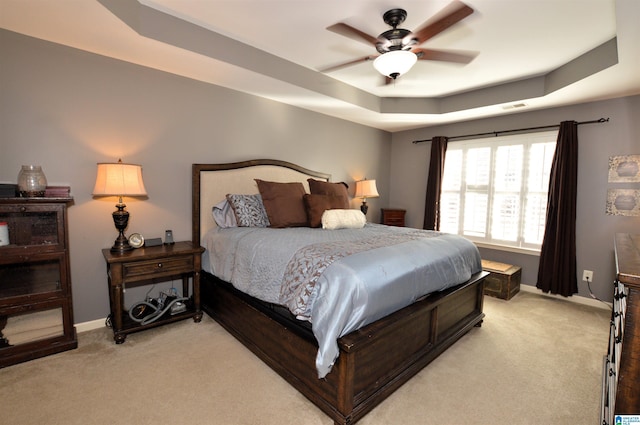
{"x": 136, "y": 240}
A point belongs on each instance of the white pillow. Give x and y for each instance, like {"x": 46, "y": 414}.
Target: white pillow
{"x": 223, "y": 215}
{"x": 343, "y": 219}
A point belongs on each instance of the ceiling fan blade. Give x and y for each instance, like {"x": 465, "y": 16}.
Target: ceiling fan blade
{"x": 353, "y": 33}
{"x": 450, "y": 15}
{"x": 346, "y": 64}
{"x": 444, "y": 55}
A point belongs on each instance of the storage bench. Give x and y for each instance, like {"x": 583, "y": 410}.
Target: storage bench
{"x": 503, "y": 280}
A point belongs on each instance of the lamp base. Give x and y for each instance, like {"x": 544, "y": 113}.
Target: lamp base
{"x": 120, "y": 245}
{"x": 364, "y": 207}
{"x": 121, "y": 221}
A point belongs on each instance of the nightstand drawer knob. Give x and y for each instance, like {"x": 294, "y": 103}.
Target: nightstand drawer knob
{"x": 159, "y": 265}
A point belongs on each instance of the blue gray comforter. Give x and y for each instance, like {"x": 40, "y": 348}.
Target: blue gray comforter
{"x": 339, "y": 280}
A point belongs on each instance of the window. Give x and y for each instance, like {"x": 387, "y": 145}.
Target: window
{"x": 494, "y": 190}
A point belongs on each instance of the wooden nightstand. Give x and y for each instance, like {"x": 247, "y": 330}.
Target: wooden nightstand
{"x": 150, "y": 265}
{"x": 393, "y": 217}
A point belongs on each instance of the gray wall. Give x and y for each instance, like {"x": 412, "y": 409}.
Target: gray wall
{"x": 597, "y": 142}
{"x": 66, "y": 110}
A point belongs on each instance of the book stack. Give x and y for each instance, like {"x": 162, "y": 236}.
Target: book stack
{"x": 8, "y": 190}
{"x": 57, "y": 192}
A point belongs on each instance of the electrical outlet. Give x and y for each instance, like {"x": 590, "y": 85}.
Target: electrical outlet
{"x": 587, "y": 275}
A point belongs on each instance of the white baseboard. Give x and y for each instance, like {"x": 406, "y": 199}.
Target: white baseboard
{"x": 574, "y": 299}
{"x": 89, "y": 326}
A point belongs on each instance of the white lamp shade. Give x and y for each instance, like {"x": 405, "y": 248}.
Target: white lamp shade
{"x": 118, "y": 179}
{"x": 366, "y": 189}
{"x": 395, "y": 62}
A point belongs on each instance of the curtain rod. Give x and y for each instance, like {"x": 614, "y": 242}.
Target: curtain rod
{"x": 497, "y": 133}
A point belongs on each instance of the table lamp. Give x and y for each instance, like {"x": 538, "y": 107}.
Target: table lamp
{"x": 366, "y": 189}
{"x": 119, "y": 179}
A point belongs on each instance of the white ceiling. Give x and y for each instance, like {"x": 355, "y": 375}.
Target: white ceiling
{"x": 536, "y": 53}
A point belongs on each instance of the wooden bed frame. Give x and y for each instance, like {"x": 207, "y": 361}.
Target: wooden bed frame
{"x": 374, "y": 361}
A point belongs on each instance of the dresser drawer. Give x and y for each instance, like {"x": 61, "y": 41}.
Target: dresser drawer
{"x": 149, "y": 269}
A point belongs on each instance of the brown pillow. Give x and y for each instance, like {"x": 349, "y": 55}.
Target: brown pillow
{"x": 318, "y": 204}
{"x": 284, "y": 203}
{"x": 337, "y": 190}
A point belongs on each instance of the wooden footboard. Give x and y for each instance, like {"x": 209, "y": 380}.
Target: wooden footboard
{"x": 374, "y": 361}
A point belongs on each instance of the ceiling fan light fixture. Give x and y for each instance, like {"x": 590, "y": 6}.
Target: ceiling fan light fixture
{"x": 395, "y": 63}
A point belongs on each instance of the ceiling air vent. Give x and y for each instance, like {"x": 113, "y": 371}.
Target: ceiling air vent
{"x": 514, "y": 106}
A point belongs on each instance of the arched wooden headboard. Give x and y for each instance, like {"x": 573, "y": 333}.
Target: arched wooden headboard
{"x": 212, "y": 182}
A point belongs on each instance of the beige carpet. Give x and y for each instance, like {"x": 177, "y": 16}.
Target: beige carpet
{"x": 535, "y": 360}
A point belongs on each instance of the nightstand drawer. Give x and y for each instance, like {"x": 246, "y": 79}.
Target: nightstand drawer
{"x": 394, "y": 221}
{"x": 149, "y": 269}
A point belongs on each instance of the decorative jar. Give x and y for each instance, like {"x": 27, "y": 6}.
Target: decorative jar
{"x": 31, "y": 181}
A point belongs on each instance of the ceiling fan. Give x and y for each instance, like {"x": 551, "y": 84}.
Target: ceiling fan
{"x": 399, "y": 48}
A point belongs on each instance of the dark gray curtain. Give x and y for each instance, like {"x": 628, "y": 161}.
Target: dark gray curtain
{"x": 557, "y": 270}
{"x": 434, "y": 183}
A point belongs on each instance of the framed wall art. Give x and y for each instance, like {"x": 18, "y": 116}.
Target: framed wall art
{"x": 624, "y": 202}
{"x": 624, "y": 169}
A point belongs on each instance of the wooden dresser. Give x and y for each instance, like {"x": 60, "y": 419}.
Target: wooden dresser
{"x": 621, "y": 380}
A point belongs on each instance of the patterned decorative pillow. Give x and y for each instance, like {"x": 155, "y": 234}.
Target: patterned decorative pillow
{"x": 249, "y": 210}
